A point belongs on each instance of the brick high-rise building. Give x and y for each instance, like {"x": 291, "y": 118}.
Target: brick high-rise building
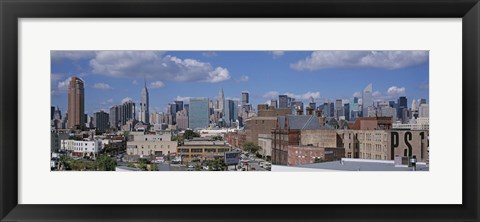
{"x": 76, "y": 103}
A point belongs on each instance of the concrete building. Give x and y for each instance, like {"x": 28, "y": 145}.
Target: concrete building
{"x": 385, "y": 144}
{"x": 423, "y": 110}
{"x": 101, "y": 120}
{"x": 372, "y": 123}
{"x": 182, "y": 119}
{"x": 301, "y": 155}
{"x": 421, "y": 123}
{"x": 199, "y": 113}
{"x": 202, "y": 149}
{"x": 141, "y": 144}
{"x": 320, "y": 138}
{"x": 82, "y": 148}
{"x": 265, "y": 141}
{"x": 76, "y": 103}
{"x": 114, "y": 116}
{"x": 367, "y": 99}
{"x": 56, "y": 138}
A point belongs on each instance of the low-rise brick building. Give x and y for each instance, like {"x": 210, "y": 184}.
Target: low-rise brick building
{"x": 301, "y": 155}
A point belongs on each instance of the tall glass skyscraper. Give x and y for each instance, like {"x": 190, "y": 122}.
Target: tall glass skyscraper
{"x": 282, "y": 101}
{"x": 245, "y": 98}
{"x": 230, "y": 112}
{"x": 367, "y": 99}
{"x": 198, "y": 113}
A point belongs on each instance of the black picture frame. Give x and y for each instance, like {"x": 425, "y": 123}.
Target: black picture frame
{"x": 11, "y": 11}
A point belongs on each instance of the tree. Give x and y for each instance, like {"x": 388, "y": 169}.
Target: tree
{"x": 217, "y": 138}
{"x": 65, "y": 162}
{"x": 318, "y": 160}
{"x": 216, "y": 165}
{"x": 105, "y": 163}
{"x": 189, "y": 134}
{"x": 251, "y": 147}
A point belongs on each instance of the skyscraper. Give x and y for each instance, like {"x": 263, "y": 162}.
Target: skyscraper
{"x": 332, "y": 110}
{"x": 230, "y": 112}
{"x": 312, "y": 103}
{"x": 179, "y": 105}
{"x": 114, "y": 116}
{"x": 52, "y": 110}
{"x": 273, "y": 103}
{"x": 338, "y": 108}
{"x": 76, "y": 103}
{"x": 172, "y": 110}
{"x": 245, "y": 98}
{"x": 100, "y": 120}
{"x": 198, "y": 113}
{"x": 367, "y": 99}
{"x": 127, "y": 112}
{"x": 144, "y": 105}
{"x": 221, "y": 102}
{"x": 282, "y": 101}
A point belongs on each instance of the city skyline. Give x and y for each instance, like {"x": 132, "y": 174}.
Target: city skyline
{"x": 113, "y": 76}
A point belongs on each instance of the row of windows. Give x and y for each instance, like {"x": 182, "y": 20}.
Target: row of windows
{"x": 155, "y": 146}
{"x": 206, "y": 150}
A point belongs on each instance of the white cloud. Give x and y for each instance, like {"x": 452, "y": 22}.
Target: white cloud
{"x": 126, "y": 99}
{"x": 392, "y": 93}
{"x": 374, "y": 59}
{"x": 72, "y": 55}
{"x": 243, "y": 78}
{"x": 102, "y": 86}
{"x": 63, "y": 85}
{"x": 271, "y": 95}
{"x": 396, "y": 91}
{"x": 357, "y": 94}
{"x": 232, "y": 98}
{"x": 182, "y": 98}
{"x": 305, "y": 96}
{"x": 157, "y": 84}
{"x": 277, "y": 54}
{"x": 156, "y": 66}
{"x": 134, "y": 82}
{"x": 376, "y": 94}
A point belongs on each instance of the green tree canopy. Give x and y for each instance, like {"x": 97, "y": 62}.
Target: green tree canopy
{"x": 251, "y": 147}
{"x": 105, "y": 163}
{"x": 189, "y": 134}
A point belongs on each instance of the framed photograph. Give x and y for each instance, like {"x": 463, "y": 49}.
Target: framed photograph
{"x": 226, "y": 110}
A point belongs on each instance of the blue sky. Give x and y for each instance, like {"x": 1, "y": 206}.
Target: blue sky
{"x": 112, "y": 76}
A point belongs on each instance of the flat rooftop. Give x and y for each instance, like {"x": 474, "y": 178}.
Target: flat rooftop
{"x": 352, "y": 165}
